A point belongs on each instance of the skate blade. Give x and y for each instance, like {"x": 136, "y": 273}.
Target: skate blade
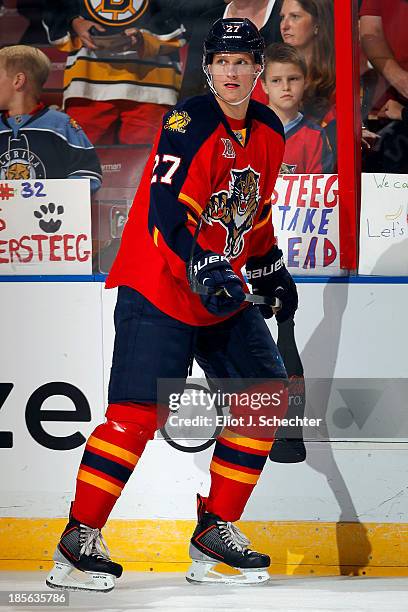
{"x": 201, "y": 572}
{"x": 65, "y": 576}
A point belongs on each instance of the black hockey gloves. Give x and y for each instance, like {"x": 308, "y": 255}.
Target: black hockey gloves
{"x": 269, "y": 276}
{"x": 225, "y": 288}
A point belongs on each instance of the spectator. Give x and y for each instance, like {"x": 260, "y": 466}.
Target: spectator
{"x": 189, "y": 13}
{"x": 307, "y": 150}
{"x": 394, "y": 110}
{"x": 392, "y": 148}
{"x": 263, "y": 13}
{"x": 308, "y": 25}
{"x": 384, "y": 41}
{"x": 122, "y": 71}
{"x": 383, "y": 32}
{"x": 34, "y": 33}
{"x": 35, "y": 141}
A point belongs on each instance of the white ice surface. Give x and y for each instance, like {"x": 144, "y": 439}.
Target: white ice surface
{"x": 163, "y": 591}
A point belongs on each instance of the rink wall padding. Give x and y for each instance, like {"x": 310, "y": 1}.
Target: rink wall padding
{"x": 55, "y": 355}
{"x": 296, "y": 548}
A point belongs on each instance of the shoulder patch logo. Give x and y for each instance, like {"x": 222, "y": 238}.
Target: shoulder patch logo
{"x": 74, "y": 123}
{"x": 178, "y": 121}
{"x": 228, "y": 152}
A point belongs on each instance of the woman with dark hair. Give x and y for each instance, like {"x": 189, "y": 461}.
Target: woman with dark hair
{"x": 308, "y": 25}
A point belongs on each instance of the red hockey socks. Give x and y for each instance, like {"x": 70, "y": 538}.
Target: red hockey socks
{"x": 241, "y": 452}
{"x": 110, "y": 455}
{"x": 235, "y": 468}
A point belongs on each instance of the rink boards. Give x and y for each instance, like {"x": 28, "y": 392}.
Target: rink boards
{"x": 346, "y": 506}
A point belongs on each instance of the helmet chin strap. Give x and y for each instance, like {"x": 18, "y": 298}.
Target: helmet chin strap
{"x": 210, "y": 82}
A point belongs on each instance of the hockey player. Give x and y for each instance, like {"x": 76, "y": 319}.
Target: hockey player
{"x": 37, "y": 142}
{"x": 214, "y": 163}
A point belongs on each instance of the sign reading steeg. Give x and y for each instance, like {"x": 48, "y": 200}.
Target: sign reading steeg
{"x": 305, "y": 218}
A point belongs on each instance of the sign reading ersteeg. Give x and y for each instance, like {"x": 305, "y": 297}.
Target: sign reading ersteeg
{"x": 45, "y": 227}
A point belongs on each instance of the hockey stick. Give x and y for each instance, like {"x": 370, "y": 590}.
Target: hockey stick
{"x": 288, "y": 446}
{"x": 201, "y": 289}
{"x": 286, "y": 449}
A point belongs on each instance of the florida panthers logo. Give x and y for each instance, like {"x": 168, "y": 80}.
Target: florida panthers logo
{"x": 116, "y": 12}
{"x": 19, "y": 163}
{"x": 287, "y": 168}
{"x": 235, "y": 209}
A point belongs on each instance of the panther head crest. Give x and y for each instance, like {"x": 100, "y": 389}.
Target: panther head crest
{"x": 244, "y": 189}
{"x": 235, "y": 209}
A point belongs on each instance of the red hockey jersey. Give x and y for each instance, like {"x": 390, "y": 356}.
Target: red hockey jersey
{"x": 200, "y": 167}
{"x": 307, "y": 150}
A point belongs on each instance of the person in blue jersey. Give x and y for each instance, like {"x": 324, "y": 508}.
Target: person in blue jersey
{"x": 37, "y": 142}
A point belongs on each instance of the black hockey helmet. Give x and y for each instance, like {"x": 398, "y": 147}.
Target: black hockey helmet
{"x": 233, "y": 35}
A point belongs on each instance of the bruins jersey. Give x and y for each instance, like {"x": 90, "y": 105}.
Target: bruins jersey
{"x": 202, "y": 166}
{"x": 114, "y": 72}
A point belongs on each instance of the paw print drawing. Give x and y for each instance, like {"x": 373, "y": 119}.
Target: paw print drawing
{"x": 47, "y": 222}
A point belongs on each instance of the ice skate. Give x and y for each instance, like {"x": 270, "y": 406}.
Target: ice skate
{"x": 83, "y": 548}
{"x": 215, "y": 541}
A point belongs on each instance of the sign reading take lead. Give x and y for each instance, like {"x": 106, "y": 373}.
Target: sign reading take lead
{"x": 305, "y": 217}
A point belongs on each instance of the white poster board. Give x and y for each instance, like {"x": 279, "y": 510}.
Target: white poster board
{"x": 305, "y": 217}
{"x": 383, "y": 224}
{"x": 45, "y": 227}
